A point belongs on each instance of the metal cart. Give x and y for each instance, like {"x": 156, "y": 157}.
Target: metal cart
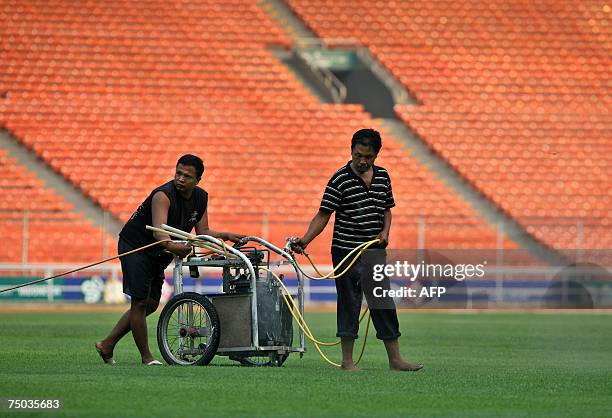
{"x": 249, "y": 322}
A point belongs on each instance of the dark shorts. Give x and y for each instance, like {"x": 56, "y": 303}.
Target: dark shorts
{"x": 350, "y": 296}
{"x": 143, "y": 274}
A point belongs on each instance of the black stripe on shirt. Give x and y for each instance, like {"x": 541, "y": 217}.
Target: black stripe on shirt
{"x": 359, "y": 210}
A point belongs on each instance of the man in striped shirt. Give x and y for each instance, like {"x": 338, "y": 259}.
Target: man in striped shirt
{"x": 360, "y": 194}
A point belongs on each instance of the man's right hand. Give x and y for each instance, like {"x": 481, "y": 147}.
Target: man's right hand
{"x": 298, "y": 245}
{"x": 179, "y": 248}
{"x": 314, "y": 229}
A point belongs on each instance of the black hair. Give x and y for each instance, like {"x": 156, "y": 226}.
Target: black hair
{"x": 368, "y": 138}
{"x": 194, "y": 161}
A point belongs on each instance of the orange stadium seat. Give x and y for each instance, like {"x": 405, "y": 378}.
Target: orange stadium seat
{"x": 519, "y": 105}
{"x": 112, "y": 100}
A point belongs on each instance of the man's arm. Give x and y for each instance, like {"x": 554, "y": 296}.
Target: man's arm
{"x": 317, "y": 225}
{"x": 159, "y": 209}
{"x": 202, "y": 228}
{"x": 384, "y": 234}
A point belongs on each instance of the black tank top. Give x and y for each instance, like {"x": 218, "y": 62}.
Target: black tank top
{"x": 183, "y": 214}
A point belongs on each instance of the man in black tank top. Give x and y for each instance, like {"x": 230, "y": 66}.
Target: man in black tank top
{"x": 360, "y": 194}
{"x": 180, "y": 204}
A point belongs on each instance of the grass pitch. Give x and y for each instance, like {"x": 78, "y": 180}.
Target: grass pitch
{"x": 476, "y": 364}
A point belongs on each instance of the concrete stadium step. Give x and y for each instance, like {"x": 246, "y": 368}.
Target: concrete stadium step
{"x": 490, "y": 212}
{"x": 82, "y": 204}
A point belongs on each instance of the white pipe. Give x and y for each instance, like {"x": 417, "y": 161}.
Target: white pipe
{"x": 270, "y": 246}
{"x": 187, "y": 237}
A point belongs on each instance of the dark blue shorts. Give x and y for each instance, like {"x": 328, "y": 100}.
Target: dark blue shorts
{"x": 143, "y": 274}
{"x": 350, "y": 296}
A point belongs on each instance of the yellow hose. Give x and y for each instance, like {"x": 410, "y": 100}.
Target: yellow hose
{"x": 331, "y": 275}
{"x": 219, "y": 250}
{"x": 295, "y": 312}
{"x": 87, "y": 266}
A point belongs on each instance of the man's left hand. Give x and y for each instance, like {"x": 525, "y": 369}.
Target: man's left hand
{"x": 235, "y": 238}
{"x": 384, "y": 239}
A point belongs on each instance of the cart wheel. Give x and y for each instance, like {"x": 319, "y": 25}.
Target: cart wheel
{"x": 188, "y": 330}
{"x": 252, "y": 361}
{"x": 277, "y": 360}
{"x": 271, "y": 360}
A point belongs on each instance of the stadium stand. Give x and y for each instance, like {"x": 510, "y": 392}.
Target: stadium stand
{"x": 514, "y": 95}
{"x": 109, "y": 96}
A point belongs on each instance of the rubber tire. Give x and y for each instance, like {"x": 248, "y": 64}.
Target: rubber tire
{"x": 274, "y": 360}
{"x": 210, "y": 309}
{"x": 248, "y": 361}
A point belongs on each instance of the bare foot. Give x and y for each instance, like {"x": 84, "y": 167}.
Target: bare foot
{"x": 105, "y": 352}
{"x": 350, "y": 367}
{"x": 149, "y": 360}
{"x": 404, "y": 366}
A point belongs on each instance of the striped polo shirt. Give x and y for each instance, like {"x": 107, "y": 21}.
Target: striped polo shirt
{"x": 359, "y": 211}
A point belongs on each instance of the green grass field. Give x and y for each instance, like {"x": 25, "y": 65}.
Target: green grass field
{"x": 476, "y": 364}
